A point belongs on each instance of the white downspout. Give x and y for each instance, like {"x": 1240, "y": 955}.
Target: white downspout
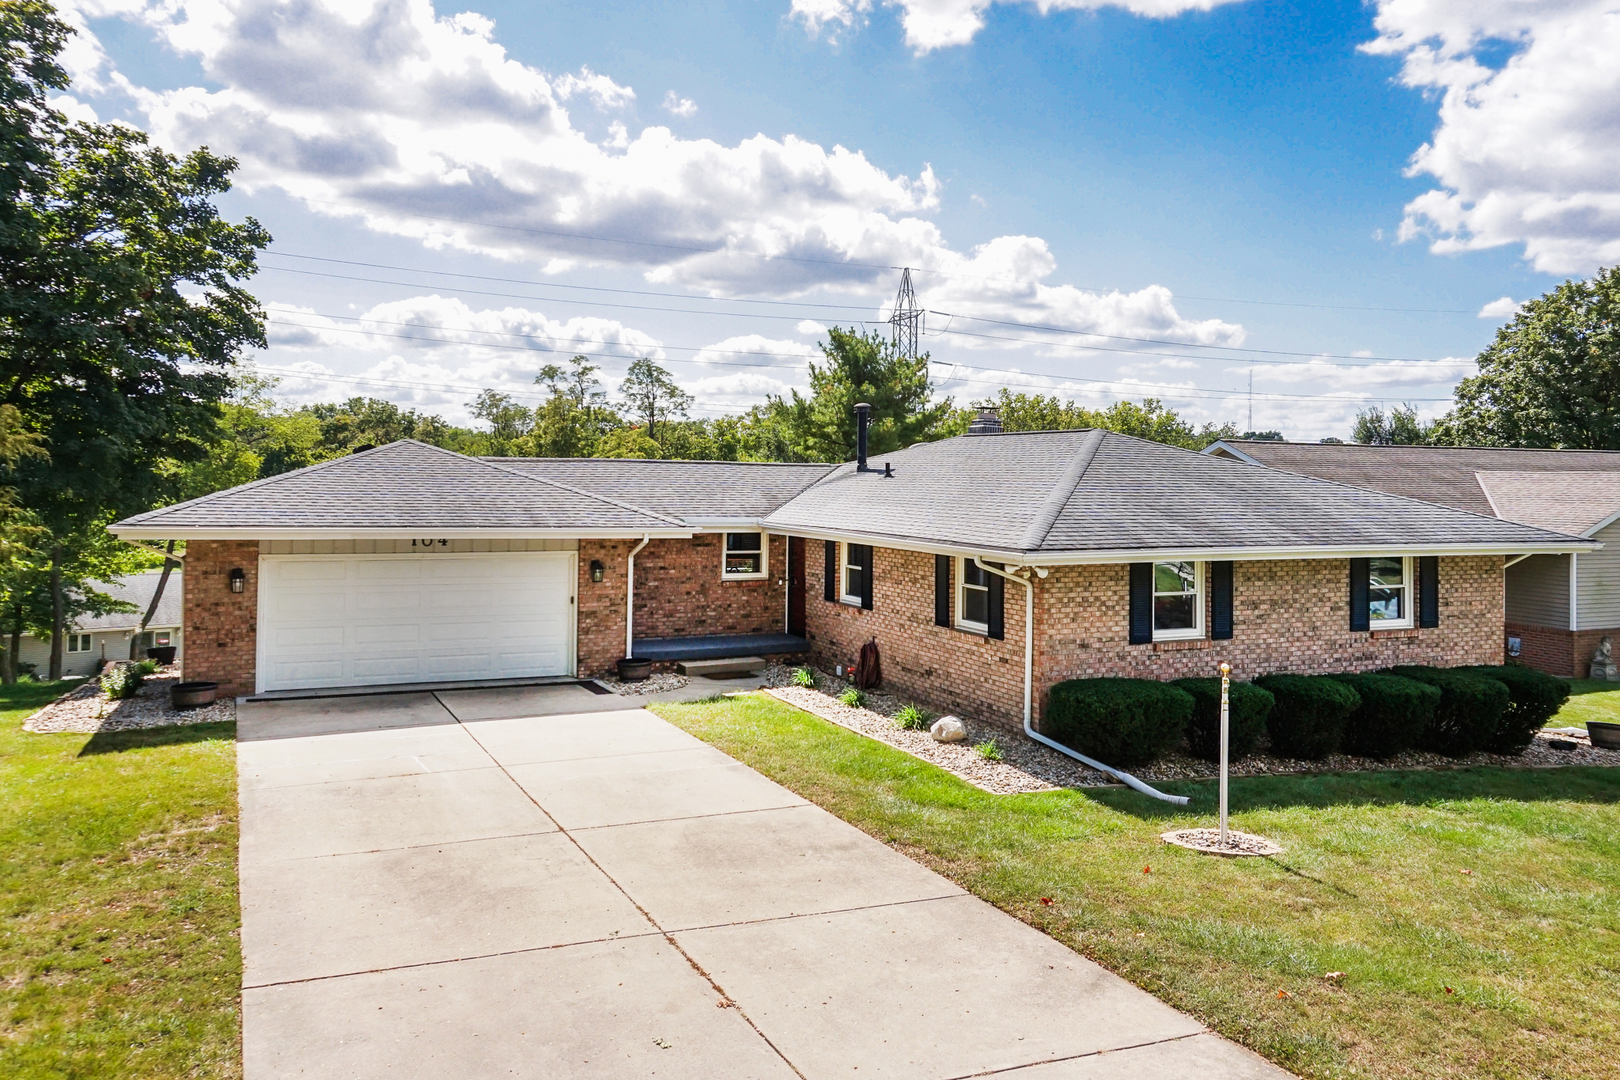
{"x": 1029, "y": 681}
{"x": 630, "y": 599}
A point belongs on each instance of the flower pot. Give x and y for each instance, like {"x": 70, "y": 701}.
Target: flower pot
{"x": 1604, "y": 736}
{"x": 163, "y": 654}
{"x": 634, "y": 669}
{"x": 192, "y": 695}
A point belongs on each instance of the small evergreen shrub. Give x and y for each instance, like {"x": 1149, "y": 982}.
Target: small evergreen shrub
{"x": 988, "y": 750}
{"x": 1534, "y": 697}
{"x": 1469, "y": 712}
{"x": 146, "y": 667}
{"x": 1309, "y": 717}
{"x": 121, "y": 681}
{"x": 804, "y": 677}
{"x": 1247, "y": 708}
{"x": 911, "y": 718}
{"x": 1394, "y": 714}
{"x": 853, "y": 697}
{"x": 1119, "y": 722}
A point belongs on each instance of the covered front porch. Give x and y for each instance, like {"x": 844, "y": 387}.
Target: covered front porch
{"x": 718, "y": 647}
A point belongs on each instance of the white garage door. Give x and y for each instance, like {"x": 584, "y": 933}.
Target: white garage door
{"x": 367, "y": 620}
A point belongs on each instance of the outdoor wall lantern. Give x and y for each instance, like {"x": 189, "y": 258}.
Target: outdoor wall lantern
{"x": 597, "y": 570}
{"x": 238, "y": 580}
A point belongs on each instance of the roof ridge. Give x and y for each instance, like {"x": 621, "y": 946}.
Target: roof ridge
{"x": 1424, "y": 446}
{"x": 1056, "y": 499}
{"x": 680, "y": 461}
{"x": 566, "y": 487}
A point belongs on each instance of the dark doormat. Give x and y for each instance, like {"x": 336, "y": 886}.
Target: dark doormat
{"x": 594, "y": 687}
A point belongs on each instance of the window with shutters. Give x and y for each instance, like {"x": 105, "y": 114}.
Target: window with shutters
{"x": 972, "y": 597}
{"x": 1178, "y": 600}
{"x": 853, "y": 575}
{"x": 1389, "y": 593}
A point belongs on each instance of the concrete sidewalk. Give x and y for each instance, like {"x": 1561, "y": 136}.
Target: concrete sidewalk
{"x": 471, "y": 884}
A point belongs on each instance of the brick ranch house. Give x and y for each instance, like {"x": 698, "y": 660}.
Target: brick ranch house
{"x": 987, "y": 567}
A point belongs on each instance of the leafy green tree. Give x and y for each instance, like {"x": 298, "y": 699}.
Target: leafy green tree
{"x": 627, "y": 442}
{"x": 508, "y": 421}
{"x": 362, "y": 422}
{"x": 1149, "y": 420}
{"x": 1401, "y": 427}
{"x": 650, "y": 392}
{"x": 1551, "y": 379}
{"x": 575, "y": 416}
{"x": 861, "y": 367}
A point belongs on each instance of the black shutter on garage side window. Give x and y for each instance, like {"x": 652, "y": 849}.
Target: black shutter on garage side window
{"x": 829, "y": 589}
{"x": 1360, "y": 571}
{"x": 1428, "y": 591}
{"x": 942, "y": 590}
{"x": 1141, "y": 603}
{"x": 997, "y": 619}
{"x": 863, "y": 552}
{"x": 1220, "y": 601}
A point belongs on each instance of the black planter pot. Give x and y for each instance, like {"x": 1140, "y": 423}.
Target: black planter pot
{"x": 192, "y": 695}
{"x": 163, "y": 654}
{"x": 634, "y": 669}
{"x": 1604, "y": 736}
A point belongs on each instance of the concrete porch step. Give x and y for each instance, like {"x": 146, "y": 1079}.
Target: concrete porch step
{"x": 733, "y": 666}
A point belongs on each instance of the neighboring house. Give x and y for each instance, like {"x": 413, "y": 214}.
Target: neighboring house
{"x": 409, "y": 563}
{"x": 93, "y": 640}
{"x": 1558, "y": 607}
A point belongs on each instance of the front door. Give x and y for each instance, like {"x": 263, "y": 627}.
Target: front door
{"x": 795, "y": 603}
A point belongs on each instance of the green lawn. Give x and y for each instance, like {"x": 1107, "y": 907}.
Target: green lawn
{"x": 1589, "y": 699}
{"x": 1474, "y": 913}
{"x": 119, "y": 951}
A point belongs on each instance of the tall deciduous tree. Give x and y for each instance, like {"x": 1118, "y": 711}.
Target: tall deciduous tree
{"x": 650, "y": 392}
{"x": 1149, "y": 420}
{"x": 1400, "y": 427}
{"x": 1552, "y": 376}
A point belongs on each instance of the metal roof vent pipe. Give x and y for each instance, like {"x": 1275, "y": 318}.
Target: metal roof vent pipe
{"x": 988, "y": 422}
{"x": 863, "y": 419}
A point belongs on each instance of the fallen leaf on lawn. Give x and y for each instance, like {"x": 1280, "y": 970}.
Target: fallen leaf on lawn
{"x": 1449, "y": 990}
{"x": 1284, "y": 994}
{"x": 106, "y": 959}
{"x": 1140, "y": 934}
{"x": 1147, "y": 869}
{"x": 1047, "y": 901}
{"x": 1465, "y": 871}
{"x": 1334, "y": 976}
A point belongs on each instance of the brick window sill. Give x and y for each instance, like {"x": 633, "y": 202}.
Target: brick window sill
{"x": 1383, "y": 635}
{"x": 1184, "y": 645}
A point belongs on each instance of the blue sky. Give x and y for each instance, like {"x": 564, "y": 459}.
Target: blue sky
{"x": 1131, "y": 199}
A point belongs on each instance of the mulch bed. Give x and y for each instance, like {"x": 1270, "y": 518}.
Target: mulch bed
{"x": 86, "y": 709}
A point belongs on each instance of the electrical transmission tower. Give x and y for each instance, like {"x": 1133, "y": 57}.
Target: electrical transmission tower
{"x": 907, "y": 319}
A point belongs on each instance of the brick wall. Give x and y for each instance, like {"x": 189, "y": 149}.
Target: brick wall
{"x": 600, "y": 640}
{"x": 1289, "y": 615}
{"x": 221, "y": 627}
{"x": 679, "y": 591}
{"x": 1559, "y": 652}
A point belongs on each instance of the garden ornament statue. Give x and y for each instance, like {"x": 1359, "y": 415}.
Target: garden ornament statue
{"x": 1603, "y": 665}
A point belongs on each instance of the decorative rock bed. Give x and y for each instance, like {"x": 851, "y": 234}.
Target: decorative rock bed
{"x": 1238, "y": 844}
{"x": 656, "y": 683}
{"x": 86, "y": 709}
{"x": 1028, "y": 766}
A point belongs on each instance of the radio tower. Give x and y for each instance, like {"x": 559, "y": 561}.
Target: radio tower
{"x": 907, "y": 319}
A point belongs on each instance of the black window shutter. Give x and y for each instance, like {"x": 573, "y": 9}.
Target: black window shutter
{"x": 1141, "y": 603}
{"x": 1360, "y": 571}
{"x": 942, "y": 590}
{"x": 864, "y": 554}
{"x": 1429, "y": 590}
{"x": 830, "y": 586}
{"x": 1220, "y": 600}
{"x": 997, "y": 620}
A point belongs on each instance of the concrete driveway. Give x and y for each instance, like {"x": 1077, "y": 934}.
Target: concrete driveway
{"x": 541, "y": 882}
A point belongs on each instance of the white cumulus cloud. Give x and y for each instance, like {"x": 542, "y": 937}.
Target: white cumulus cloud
{"x": 1505, "y": 308}
{"x": 679, "y": 106}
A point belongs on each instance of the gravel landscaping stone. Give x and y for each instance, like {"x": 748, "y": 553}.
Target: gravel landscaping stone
{"x": 655, "y": 683}
{"x": 1028, "y": 766}
{"x": 1237, "y": 843}
{"x": 87, "y": 710}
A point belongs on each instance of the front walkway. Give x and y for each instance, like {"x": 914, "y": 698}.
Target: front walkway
{"x": 496, "y": 882}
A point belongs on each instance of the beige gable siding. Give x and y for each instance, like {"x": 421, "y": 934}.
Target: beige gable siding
{"x": 406, "y": 547}
{"x": 1538, "y": 591}
{"x": 1598, "y": 581}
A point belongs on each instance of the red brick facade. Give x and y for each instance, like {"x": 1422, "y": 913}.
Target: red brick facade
{"x": 221, "y": 627}
{"x": 1559, "y": 652}
{"x": 1289, "y": 615}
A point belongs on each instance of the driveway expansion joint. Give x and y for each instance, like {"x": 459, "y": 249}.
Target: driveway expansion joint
{"x": 1080, "y": 1057}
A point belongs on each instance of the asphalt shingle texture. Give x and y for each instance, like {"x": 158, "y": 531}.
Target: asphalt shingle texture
{"x": 682, "y": 489}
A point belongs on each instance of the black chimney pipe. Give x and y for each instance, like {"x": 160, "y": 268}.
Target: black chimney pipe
{"x": 863, "y": 417}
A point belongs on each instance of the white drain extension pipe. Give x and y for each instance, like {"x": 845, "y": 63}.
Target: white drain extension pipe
{"x": 630, "y": 599}
{"x": 1029, "y": 679}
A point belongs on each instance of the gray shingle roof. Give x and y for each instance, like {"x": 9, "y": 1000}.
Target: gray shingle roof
{"x": 681, "y": 489}
{"x": 1571, "y": 502}
{"x": 138, "y": 590}
{"x": 1054, "y": 492}
{"x": 1437, "y": 474}
{"x": 404, "y": 485}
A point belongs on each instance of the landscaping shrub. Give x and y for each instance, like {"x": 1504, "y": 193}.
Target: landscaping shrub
{"x": 1117, "y": 721}
{"x": 1247, "y": 708}
{"x": 853, "y": 697}
{"x": 1309, "y": 717}
{"x": 911, "y": 718}
{"x": 146, "y": 667}
{"x": 804, "y": 677}
{"x": 989, "y": 750}
{"x": 1393, "y": 715}
{"x": 1534, "y": 697}
{"x": 121, "y": 681}
{"x": 1469, "y": 712}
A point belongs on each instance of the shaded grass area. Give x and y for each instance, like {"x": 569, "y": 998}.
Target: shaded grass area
{"x": 1510, "y": 969}
{"x": 119, "y": 950}
{"x": 1589, "y": 699}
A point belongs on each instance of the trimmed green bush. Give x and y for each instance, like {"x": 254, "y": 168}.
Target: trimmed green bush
{"x": 1534, "y": 697}
{"x": 121, "y": 681}
{"x": 1247, "y": 708}
{"x": 1394, "y": 714}
{"x": 911, "y": 718}
{"x": 1470, "y": 709}
{"x": 1119, "y": 722}
{"x": 853, "y": 697}
{"x": 1309, "y": 717}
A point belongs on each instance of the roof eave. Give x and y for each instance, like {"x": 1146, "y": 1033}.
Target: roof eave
{"x": 254, "y": 532}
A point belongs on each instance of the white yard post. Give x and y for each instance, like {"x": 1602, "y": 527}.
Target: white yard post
{"x": 1226, "y": 686}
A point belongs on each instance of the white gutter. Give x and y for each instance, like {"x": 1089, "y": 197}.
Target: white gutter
{"x": 253, "y": 532}
{"x": 1574, "y": 593}
{"x": 1029, "y": 679}
{"x": 630, "y": 598}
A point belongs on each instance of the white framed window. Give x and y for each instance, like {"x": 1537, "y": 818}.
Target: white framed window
{"x": 744, "y": 555}
{"x": 1389, "y": 593}
{"x": 78, "y": 643}
{"x": 1178, "y": 600}
{"x": 852, "y": 573}
{"x": 972, "y": 597}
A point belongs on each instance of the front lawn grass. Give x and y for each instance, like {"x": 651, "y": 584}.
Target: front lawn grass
{"x": 119, "y": 951}
{"x": 1589, "y": 699}
{"x": 1475, "y": 914}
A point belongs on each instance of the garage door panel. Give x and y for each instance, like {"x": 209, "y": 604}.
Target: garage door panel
{"x": 373, "y": 620}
